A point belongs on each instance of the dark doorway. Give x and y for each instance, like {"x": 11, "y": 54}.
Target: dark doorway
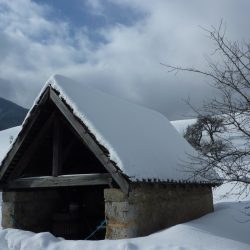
{"x": 80, "y": 213}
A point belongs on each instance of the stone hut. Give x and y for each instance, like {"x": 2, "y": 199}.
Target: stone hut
{"x": 84, "y": 158}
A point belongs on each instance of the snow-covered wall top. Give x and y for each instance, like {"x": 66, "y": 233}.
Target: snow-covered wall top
{"x": 142, "y": 142}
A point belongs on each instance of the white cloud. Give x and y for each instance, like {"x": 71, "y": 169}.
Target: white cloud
{"x": 96, "y": 6}
{"x": 34, "y": 46}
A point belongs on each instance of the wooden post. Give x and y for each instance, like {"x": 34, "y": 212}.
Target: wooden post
{"x": 57, "y": 148}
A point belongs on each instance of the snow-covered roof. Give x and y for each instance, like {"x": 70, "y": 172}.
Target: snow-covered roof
{"x": 141, "y": 142}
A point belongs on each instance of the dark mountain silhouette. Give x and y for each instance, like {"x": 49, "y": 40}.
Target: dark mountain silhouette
{"x": 11, "y": 114}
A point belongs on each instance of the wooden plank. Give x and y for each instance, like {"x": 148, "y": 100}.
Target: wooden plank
{"x": 59, "y": 181}
{"x": 57, "y": 148}
{"x": 24, "y": 160}
{"x": 23, "y": 134}
{"x": 89, "y": 141}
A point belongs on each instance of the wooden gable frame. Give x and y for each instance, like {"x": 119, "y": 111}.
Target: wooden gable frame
{"x": 10, "y": 169}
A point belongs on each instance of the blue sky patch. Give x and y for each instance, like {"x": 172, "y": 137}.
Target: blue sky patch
{"x": 79, "y": 13}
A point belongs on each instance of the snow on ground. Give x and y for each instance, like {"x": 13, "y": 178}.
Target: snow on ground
{"x": 226, "y": 228}
{"x": 230, "y": 192}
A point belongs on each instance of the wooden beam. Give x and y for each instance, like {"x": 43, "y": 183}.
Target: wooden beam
{"x": 57, "y": 148}
{"x": 90, "y": 142}
{"x": 26, "y": 157}
{"x": 59, "y": 181}
{"x": 23, "y": 134}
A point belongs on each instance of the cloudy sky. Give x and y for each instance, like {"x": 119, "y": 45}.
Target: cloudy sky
{"x": 114, "y": 45}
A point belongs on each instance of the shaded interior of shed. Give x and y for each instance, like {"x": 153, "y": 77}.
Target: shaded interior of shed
{"x": 79, "y": 209}
{"x": 76, "y": 158}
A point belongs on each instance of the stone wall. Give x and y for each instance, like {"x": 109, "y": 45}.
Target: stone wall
{"x": 29, "y": 210}
{"x": 148, "y": 208}
{"x": 152, "y": 207}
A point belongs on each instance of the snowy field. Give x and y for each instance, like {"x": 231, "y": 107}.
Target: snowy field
{"x": 227, "y": 228}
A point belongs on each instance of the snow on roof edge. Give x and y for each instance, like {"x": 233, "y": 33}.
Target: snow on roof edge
{"x": 53, "y": 83}
{"x": 113, "y": 156}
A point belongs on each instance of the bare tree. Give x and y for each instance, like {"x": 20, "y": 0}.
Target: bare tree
{"x": 222, "y": 131}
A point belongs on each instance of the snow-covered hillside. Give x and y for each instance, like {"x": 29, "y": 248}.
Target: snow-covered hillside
{"x": 181, "y": 125}
{"x": 227, "y": 228}
{"x": 6, "y": 138}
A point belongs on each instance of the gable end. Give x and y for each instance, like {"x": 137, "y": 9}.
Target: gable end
{"x": 10, "y": 162}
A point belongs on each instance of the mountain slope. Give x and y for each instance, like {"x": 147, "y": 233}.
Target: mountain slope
{"x": 11, "y": 114}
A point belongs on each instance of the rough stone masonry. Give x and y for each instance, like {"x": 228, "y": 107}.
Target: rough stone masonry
{"x": 152, "y": 207}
